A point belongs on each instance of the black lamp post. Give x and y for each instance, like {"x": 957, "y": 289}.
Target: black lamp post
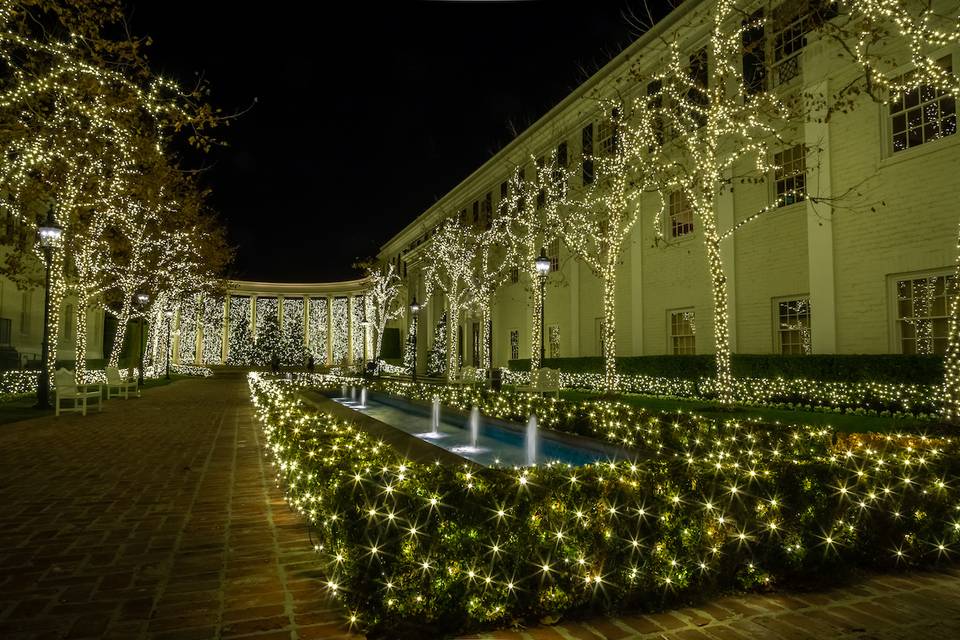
{"x": 168, "y": 314}
{"x": 48, "y": 234}
{"x": 414, "y": 310}
{"x": 142, "y": 300}
{"x": 542, "y": 263}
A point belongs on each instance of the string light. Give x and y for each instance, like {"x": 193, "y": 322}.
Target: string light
{"x": 546, "y": 554}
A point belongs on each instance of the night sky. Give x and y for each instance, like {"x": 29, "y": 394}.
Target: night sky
{"x": 358, "y": 117}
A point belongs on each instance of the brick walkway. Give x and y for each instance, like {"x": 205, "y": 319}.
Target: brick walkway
{"x": 154, "y": 519}
{"x": 159, "y": 519}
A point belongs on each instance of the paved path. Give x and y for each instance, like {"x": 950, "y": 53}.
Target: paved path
{"x": 159, "y": 519}
{"x": 154, "y": 519}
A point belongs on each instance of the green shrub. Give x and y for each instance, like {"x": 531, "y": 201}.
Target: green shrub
{"x": 892, "y": 368}
{"x": 705, "y": 506}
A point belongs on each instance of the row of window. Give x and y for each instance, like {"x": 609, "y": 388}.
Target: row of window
{"x": 922, "y": 319}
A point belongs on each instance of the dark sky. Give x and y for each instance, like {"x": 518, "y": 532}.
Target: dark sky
{"x": 365, "y": 115}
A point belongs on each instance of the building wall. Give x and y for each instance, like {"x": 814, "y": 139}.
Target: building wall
{"x": 879, "y": 216}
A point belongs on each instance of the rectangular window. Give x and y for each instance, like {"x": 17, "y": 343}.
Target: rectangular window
{"x": 521, "y": 177}
{"x": 793, "y": 326}
{"x": 607, "y": 133}
{"x": 790, "y": 26}
{"x": 683, "y": 332}
{"x": 587, "y": 151}
{"x": 923, "y": 309}
{"x": 515, "y": 275}
{"x": 790, "y": 175}
{"x": 6, "y": 325}
{"x": 754, "y": 55}
{"x": 553, "y": 251}
{"x": 514, "y": 344}
{"x": 476, "y": 213}
{"x": 922, "y": 114}
{"x": 486, "y": 210}
{"x": 559, "y": 171}
{"x": 553, "y": 332}
{"x": 681, "y": 215}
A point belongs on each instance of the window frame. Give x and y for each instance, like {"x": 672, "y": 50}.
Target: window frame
{"x": 887, "y": 117}
{"x": 672, "y": 347}
{"x": 893, "y": 301}
{"x": 671, "y": 214}
{"x": 777, "y": 325}
{"x": 774, "y": 181}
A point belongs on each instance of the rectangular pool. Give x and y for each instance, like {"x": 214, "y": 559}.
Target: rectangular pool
{"x": 499, "y": 443}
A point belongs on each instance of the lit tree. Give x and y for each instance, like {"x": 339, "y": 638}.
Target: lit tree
{"x": 450, "y": 265}
{"x": 879, "y": 38}
{"x": 526, "y": 211}
{"x": 713, "y": 125}
{"x": 386, "y": 299}
{"x": 492, "y": 267}
{"x": 70, "y": 108}
{"x": 596, "y": 220}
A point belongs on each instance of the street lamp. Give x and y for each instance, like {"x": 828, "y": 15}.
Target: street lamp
{"x": 48, "y": 234}
{"x": 168, "y": 314}
{"x": 142, "y": 300}
{"x": 414, "y": 310}
{"x": 542, "y": 263}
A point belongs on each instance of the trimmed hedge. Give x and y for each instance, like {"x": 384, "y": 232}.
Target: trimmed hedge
{"x": 428, "y": 549}
{"x": 894, "y": 368}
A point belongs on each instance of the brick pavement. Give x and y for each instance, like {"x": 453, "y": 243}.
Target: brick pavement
{"x": 158, "y": 518}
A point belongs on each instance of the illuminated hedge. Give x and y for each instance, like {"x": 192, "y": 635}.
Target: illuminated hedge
{"x": 875, "y": 397}
{"x": 705, "y": 506}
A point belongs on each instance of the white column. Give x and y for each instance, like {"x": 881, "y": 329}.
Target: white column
{"x": 823, "y": 301}
{"x": 306, "y": 321}
{"x": 636, "y": 285}
{"x": 253, "y": 318}
{"x": 175, "y": 335}
{"x": 350, "y": 328}
{"x": 198, "y": 336}
{"x": 575, "y": 308}
{"x": 225, "y": 330}
{"x": 329, "y": 331}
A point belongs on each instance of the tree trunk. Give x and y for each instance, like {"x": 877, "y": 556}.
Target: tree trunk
{"x": 950, "y": 411}
{"x": 123, "y": 319}
{"x": 56, "y": 302}
{"x": 453, "y": 335}
{"x": 485, "y": 355}
{"x": 721, "y": 328}
{"x": 537, "y": 321}
{"x": 378, "y": 339}
{"x": 609, "y": 333}
{"x": 83, "y": 299}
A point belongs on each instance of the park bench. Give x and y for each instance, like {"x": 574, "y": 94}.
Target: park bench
{"x": 116, "y": 385}
{"x": 543, "y": 381}
{"x": 81, "y": 394}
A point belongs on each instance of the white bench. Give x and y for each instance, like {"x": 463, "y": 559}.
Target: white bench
{"x": 468, "y": 375}
{"x": 81, "y": 394}
{"x": 543, "y": 381}
{"x": 116, "y": 383}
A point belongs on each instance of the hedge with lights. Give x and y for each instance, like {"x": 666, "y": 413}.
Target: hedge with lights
{"x": 703, "y": 506}
{"x": 883, "y": 398}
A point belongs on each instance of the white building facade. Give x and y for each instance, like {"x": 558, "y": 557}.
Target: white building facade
{"x": 863, "y": 266}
